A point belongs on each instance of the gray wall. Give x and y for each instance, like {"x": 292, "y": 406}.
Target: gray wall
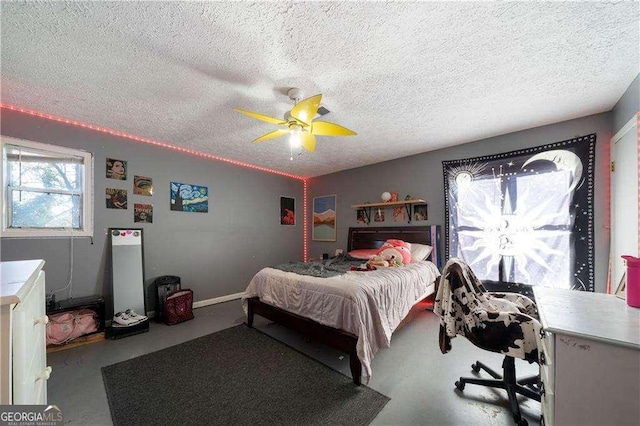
{"x": 627, "y": 106}
{"x": 421, "y": 176}
{"x": 217, "y": 253}
{"x": 214, "y": 253}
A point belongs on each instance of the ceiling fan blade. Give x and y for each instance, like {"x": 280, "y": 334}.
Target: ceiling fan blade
{"x": 305, "y": 110}
{"x": 324, "y": 128}
{"x": 272, "y": 135}
{"x": 260, "y": 117}
{"x": 308, "y": 141}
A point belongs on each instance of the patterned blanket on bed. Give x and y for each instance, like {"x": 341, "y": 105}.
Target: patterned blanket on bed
{"x": 323, "y": 269}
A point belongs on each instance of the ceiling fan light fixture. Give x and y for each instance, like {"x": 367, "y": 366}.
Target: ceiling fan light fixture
{"x": 300, "y": 123}
{"x": 295, "y": 140}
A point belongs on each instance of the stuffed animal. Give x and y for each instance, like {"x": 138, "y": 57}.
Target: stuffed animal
{"x": 392, "y": 253}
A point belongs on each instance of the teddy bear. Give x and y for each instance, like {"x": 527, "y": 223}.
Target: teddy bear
{"x": 392, "y": 253}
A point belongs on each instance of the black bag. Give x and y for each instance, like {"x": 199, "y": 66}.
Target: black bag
{"x": 178, "y": 307}
{"x": 165, "y": 285}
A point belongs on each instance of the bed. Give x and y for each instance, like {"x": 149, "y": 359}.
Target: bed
{"x": 357, "y": 311}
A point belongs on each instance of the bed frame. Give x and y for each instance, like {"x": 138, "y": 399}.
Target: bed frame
{"x": 359, "y": 238}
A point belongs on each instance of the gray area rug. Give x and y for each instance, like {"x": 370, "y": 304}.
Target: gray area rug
{"x": 236, "y": 376}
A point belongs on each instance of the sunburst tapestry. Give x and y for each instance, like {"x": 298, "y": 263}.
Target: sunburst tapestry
{"x": 524, "y": 216}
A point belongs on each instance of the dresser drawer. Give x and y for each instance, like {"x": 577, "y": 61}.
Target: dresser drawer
{"x": 546, "y": 359}
{"x": 547, "y": 402}
{"x": 29, "y": 346}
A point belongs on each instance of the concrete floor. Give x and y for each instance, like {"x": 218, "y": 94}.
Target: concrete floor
{"x": 412, "y": 372}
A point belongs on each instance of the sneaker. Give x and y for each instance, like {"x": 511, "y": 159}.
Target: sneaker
{"x": 133, "y": 315}
{"x": 123, "y": 319}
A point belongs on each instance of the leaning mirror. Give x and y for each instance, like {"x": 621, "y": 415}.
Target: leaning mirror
{"x": 127, "y": 272}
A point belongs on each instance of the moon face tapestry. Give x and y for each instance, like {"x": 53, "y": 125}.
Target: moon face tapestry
{"x": 525, "y": 216}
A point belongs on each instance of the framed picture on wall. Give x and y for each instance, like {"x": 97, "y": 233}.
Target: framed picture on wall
{"x": 186, "y": 197}
{"x": 287, "y": 211}
{"x": 116, "y": 198}
{"x": 399, "y": 214}
{"x": 378, "y": 215}
{"x": 142, "y": 185}
{"x": 116, "y": 169}
{"x": 324, "y": 218}
{"x": 361, "y": 216}
{"x": 420, "y": 212}
{"x": 143, "y": 213}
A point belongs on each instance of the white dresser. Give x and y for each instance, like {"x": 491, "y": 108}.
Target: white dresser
{"x": 23, "y": 353}
{"x": 589, "y": 358}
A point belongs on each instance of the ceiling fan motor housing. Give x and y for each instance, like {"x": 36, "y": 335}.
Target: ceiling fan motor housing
{"x": 295, "y": 94}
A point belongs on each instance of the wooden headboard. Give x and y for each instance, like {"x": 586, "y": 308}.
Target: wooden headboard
{"x": 368, "y": 238}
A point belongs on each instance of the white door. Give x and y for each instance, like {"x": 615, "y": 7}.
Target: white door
{"x": 624, "y": 198}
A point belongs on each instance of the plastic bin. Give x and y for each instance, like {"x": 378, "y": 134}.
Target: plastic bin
{"x": 633, "y": 280}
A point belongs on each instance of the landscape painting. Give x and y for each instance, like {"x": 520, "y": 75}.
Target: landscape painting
{"x": 189, "y": 198}
{"x": 324, "y": 218}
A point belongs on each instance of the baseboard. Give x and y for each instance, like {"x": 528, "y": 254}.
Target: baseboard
{"x": 203, "y": 303}
{"x": 215, "y": 300}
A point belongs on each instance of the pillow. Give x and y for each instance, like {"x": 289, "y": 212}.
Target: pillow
{"x": 420, "y": 252}
{"x": 364, "y": 254}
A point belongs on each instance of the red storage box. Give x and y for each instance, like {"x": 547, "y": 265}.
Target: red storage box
{"x": 178, "y": 307}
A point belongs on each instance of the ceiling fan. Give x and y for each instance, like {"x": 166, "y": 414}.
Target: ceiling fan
{"x": 299, "y": 123}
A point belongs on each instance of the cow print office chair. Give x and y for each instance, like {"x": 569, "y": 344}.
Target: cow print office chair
{"x": 506, "y": 323}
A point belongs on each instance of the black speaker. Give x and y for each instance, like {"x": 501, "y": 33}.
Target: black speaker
{"x": 166, "y": 285}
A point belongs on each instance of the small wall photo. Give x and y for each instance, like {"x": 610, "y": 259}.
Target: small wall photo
{"x": 361, "y": 216}
{"x": 287, "y": 211}
{"x": 143, "y": 213}
{"x": 420, "y": 212}
{"x": 142, "y": 185}
{"x": 399, "y": 214}
{"x": 378, "y": 215}
{"x": 116, "y": 169}
{"x": 116, "y": 198}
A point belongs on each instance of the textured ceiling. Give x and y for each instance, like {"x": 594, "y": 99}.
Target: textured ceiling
{"x": 408, "y": 77}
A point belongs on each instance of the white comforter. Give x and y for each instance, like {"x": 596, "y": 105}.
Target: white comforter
{"x": 368, "y": 304}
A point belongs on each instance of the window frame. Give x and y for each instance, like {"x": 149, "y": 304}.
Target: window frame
{"x": 86, "y": 218}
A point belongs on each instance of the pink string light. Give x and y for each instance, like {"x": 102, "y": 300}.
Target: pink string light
{"x": 147, "y": 141}
{"x": 178, "y": 149}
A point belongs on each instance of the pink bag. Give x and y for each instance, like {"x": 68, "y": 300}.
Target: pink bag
{"x": 66, "y": 326}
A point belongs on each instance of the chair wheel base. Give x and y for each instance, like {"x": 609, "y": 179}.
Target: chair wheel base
{"x": 527, "y": 386}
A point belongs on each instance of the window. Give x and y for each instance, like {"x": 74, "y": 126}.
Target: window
{"x": 46, "y": 190}
{"x": 523, "y": 241}
{"x": 524, "y": 217}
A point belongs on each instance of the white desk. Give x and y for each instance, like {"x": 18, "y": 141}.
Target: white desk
{"x": 591, "y": 363}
